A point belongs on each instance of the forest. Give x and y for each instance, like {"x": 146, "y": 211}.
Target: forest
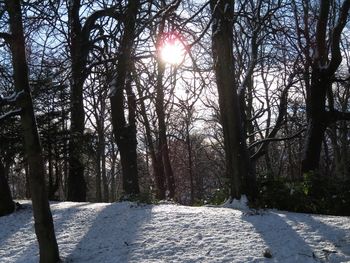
{"x": 192, "y": 101}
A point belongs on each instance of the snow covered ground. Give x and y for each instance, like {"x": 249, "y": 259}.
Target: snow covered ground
{"x": 127, "y": 232}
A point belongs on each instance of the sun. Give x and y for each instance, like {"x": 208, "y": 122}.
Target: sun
{"x": 172, "y": 51}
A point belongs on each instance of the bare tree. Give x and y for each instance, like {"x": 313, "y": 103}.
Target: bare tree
{"x": 237, "y": 160}
{"x": 325, "y": 62}
{"x": 80, "y": 46}
{"x": 125, "y": 132}
{"x": 44, "y": 227}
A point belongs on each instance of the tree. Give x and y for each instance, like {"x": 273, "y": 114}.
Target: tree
{"x": 44, "y": 227}
{"x": 46, "y": 92}
{"x": 7, "y": 205}
{"x": 157, "y": 164}
{"x": 163, "y": 147}
{"x": 80, "y": 46}
{"x": 79, "y": 51}
{"x": 125, "y": 132}
{"x": 325, "y": 62}
{"x": 97, "y": 94}
{"x": 237, "y": 160}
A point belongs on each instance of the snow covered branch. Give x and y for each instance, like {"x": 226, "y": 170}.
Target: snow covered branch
{"x": 10, "y": 114}
{"x": 12, "y": 99}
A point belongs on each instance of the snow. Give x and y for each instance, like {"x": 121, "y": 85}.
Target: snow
{"x": 241, "y": 204}
{"x": 128, "y": 232}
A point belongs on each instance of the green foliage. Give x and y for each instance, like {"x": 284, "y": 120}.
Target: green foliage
{"x": 141, "y": 198}
{"x": 312, "y": 194}
{"x": 218, "y": 197}
{"x": 199, "y": 202}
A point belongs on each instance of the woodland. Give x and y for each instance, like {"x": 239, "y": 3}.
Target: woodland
{"x": 192, "y": 101}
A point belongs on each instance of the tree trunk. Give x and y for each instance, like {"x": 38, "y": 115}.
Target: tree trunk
{"x": 163, "y": 142}
{"x": 113, "y": 195}
{"x": 341, "y": 154}
{"x": 327, "y": 58}
{"x": 44, "y": 227}
{"x": 237, "y": 160}
{"x": 7, "y": 205}
{"x": 250, "y": 129}
{"x": 125, "y": 133}
{"x": 65, "y": 168}
{"x": 190, "y": 161}
{"x": 318, "y": 122}
{"x": 104, "y": 179}
{"x": 58, "y": 173}
{"x": 51, "y": 186}
{"x": 158, "y": 169}
{"x": 98, "y": 177}
{"x": 101, "y": 166}
{"x": 78, "y": 50}
{"x": 26, "y": 172}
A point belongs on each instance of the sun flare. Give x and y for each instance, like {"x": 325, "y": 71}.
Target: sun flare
{"x": 172, "y": 51}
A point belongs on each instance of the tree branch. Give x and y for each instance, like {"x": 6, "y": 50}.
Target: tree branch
{"x": 280, "y": 118}
{"x": 336, "y": 56}
{"x": 10, "y": 114}
{"x": 91, "y": 20}
{"x": 12, "y": 99}
{"x": 321, "y": 32}
{"x": 335, "y": 115}
{"x": 7, "y": 37}
{"x": 259, "y": 152}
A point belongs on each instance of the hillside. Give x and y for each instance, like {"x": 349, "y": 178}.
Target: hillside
{"x": 127, "y": 232}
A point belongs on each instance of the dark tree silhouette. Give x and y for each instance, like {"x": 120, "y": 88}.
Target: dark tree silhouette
{"x": 44, "y": 227}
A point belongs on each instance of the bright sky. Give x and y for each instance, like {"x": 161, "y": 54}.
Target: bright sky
{"x": 173, "y": 52}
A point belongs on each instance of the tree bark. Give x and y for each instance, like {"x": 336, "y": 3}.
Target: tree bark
{"x": 324, "y": 66}
{"x": 157, "y": 164}
{"x": 7, "y": 206}
{"x": 317, "y": 122}
{"x": 98, "y": 176}
{"x": 104, "y": 173}
{"x": 113, "y": 195}
{"x": 52, "y": 186}
{"x": 237, "y": 160}
{"x": 190, "y": 161}
{"x": 44, "y": 227}
{"x": 78, "y": 51}
{"x": 163, "y": 147}
{"x": 125, "y": 133}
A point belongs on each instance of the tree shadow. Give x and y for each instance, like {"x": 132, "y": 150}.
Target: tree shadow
{"x": 111, "y": 236}
{"x": 17, "y": 224}
{"x": 84, "y": 231}
{"x": 78, "y": 228}
{"x": 62, "y": 215}
{"x": 325, "y": 232}
{"x": 281, "y": 238}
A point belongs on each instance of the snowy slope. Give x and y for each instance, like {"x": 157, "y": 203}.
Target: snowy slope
{"x": 126, "y": 232}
